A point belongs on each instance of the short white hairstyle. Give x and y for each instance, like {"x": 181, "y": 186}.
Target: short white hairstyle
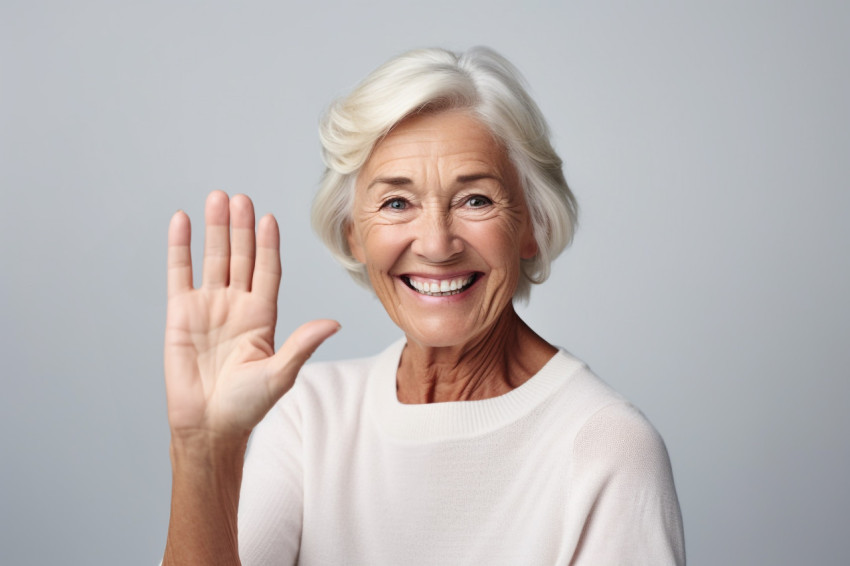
{"x": 479, "y": 81}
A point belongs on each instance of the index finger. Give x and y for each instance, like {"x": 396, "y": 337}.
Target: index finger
{"x": 179, "y": 254}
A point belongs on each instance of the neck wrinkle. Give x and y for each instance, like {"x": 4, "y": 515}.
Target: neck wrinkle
{"x": 504, "y": 358}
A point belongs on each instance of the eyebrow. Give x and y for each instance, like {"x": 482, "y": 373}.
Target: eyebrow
{"x": 477, "y": 177}
{"x": 395, "y": 181}
{"x": 399, "y": 181}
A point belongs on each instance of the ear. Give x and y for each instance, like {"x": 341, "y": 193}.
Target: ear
{"x": 528, "y": 244}
{"x": 354, "y": 243}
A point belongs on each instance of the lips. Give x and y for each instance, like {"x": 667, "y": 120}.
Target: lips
{"x": 440, "y": 287}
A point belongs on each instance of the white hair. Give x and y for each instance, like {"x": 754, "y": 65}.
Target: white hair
{"x": 479, "y": 81}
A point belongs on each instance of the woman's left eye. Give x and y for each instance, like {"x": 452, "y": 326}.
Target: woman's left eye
{"x": 478, "y": 201}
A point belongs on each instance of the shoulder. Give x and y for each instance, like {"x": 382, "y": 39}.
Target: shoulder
{"x": 619, "y": 437}
{"x": 578, "y": 395}
{"x": 608, "y": 431}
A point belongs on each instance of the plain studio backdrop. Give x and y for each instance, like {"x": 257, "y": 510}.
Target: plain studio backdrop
{"x": 708, "y": 146}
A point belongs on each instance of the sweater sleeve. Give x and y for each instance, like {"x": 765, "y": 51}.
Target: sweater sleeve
{"x": 624, "y": 493}
{"x": 271, "y": 499}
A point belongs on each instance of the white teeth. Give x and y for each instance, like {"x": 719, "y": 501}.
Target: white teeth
{"x": 443, "y": 288}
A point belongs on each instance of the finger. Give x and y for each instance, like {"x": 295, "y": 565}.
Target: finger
{"x": 297, "y": 349}
{"x": 266, "y": 280}
{"x": 242, "y": 242}
{"x": 217, "y": 240}
{"x": 179, "y": 254}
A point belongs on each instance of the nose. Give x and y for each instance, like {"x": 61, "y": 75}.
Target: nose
{"x": 435, "y": 239}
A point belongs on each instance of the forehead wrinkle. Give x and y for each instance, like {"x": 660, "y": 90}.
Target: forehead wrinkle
{"x": 484, "y": 171}
{"x": 408, "y": 157}
{"x": 469, "y": 164}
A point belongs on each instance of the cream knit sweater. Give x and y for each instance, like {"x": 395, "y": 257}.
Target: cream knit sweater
{"x": 561, "y": 470}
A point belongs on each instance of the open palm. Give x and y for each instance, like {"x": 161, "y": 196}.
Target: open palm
{"x": 222, "y": 372}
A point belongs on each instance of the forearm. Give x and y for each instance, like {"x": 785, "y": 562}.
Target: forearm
{"x": 206, "y": 479}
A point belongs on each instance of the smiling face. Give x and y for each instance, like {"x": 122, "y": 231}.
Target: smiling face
{"x": 441, "y": 224}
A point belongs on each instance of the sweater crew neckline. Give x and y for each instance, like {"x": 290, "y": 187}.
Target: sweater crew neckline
{"x": 435, "y": 422}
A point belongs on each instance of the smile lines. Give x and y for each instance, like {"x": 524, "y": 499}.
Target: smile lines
{"x": 443, "y": 288}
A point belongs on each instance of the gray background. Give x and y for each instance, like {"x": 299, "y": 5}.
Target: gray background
{"x": 708, "y": 146}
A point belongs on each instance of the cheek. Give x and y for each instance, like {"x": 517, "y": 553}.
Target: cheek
{"x": 382, "y": 247}
{"x": 497, "y": 242}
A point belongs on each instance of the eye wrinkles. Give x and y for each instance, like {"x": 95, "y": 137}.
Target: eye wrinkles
{"x": 474, "y": 200}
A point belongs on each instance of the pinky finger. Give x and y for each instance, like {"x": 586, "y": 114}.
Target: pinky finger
{"x": 179, "y": 254}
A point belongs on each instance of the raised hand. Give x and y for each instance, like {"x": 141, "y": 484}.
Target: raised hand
{"x": 222, "y": 372}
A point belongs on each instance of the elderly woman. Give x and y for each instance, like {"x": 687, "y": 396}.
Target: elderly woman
{"x": 471, "y": 440}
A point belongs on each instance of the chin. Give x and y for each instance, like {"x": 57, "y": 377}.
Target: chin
{"x": 441, "y": 333}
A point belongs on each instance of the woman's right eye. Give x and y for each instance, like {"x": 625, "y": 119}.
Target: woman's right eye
{"x": 395, "y": 204}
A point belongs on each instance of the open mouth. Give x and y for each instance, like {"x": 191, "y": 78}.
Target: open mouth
{"x": 442, "y": 288}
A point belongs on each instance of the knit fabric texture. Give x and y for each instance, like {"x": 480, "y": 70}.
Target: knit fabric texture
{"x": 561, "y": 470}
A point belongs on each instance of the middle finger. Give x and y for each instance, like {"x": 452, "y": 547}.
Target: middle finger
{"x": 217, "y": 240}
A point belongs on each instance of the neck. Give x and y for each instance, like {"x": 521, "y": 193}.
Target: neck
{"x": 498, "y": 361}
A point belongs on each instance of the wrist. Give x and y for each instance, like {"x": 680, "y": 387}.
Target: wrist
{"x": 208, "y": 457}
{"x": 206, "y": 444}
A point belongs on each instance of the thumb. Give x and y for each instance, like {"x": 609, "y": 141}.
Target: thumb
{"x": 297, "y": 349}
